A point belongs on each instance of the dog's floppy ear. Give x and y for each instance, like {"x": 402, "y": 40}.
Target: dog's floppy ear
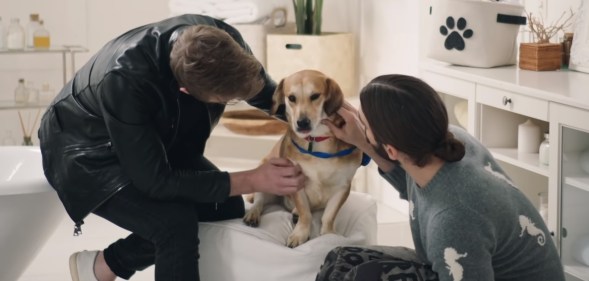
{"x": 278, "y": 97}
{"x": 334, "y": 98}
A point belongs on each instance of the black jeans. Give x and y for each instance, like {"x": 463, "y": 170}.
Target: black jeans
{"x": 164, "y": 233}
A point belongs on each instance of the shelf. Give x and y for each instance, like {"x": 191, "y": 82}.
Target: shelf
{"x": 64, "y": 50}
{"x": 577, "y": 270}
{"x": 52, "y": 49}
{"x": 527, "y": 161}
{"x": 13, "y": 105}
{"x": 572, "y": 173}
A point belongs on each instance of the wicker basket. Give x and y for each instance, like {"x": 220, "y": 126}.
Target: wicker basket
{"x": 252, "y": 122}
{"x": 540, "y": 57}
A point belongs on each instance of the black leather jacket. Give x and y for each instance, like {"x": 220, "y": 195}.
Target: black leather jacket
{"x": 122, "y": 121}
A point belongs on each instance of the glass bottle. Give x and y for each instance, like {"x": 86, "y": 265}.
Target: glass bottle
{"x": 41, "y": 39}
{"x": 2, "y": 35}
{"x": 543, "y": 205}
{"x": 15, "y": 39}
{"x": 21, "y": 95}
{"x": 46, "y": 94}
{"x": 31, "y": 27}
{"x": 544, "y": 150}
{"x": 33, "y": 92}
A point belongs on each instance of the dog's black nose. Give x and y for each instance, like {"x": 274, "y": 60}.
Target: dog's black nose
{"x": 304, "y": 124}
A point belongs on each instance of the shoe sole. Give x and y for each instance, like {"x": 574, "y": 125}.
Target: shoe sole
{"x": 74, "y": 267}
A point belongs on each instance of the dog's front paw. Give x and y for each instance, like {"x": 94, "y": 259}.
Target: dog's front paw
{"x": 252, "y": 218}
{"x": 295, "y": 239}
{"x": 326, "y": 230}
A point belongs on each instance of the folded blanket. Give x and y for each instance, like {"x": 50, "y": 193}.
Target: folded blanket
{"x": 231, "y": 11}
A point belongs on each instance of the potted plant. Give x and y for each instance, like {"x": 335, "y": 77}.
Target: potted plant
{"x": 308, "y": 16}
{"x": 332, "y": 53}
{"x": 542, "y": 54}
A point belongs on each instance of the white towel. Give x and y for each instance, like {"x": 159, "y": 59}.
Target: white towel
{"x": 231, "y": 11}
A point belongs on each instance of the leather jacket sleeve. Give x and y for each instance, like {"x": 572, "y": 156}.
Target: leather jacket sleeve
{"x": 141, "y": 151}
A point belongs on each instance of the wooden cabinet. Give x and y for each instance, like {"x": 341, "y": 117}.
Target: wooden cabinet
{"x": 498, "y": 100}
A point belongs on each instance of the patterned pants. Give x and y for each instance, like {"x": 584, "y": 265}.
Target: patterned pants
{"x": 374, "y": 263}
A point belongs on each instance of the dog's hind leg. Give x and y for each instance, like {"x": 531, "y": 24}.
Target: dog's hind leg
{"x": 253, "y": 215}
{"x": 331, "y": 209}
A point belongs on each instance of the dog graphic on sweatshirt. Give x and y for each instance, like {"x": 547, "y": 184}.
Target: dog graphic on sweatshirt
{"x": 411, "y": 209}
{"x": 527, "y": 225}
{"x": 451, "y": 256}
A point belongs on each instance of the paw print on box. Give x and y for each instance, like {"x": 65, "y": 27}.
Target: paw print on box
{"x": 455, "y": 39}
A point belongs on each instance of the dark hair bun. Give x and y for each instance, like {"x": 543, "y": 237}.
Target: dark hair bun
{"x": 450, "y": 149}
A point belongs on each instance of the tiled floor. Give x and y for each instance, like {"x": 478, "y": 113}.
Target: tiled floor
{"x": 51, "y": 264}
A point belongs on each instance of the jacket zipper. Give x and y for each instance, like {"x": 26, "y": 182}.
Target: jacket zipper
{"x": 78, "y": 224}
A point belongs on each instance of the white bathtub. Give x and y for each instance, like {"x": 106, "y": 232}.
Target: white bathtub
{"x": 30, "y": 210}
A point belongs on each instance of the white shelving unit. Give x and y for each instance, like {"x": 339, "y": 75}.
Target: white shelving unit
{"x": 68, "y": 56}
{"x": 498, "y": 100}
{"x": 67, "y": 52}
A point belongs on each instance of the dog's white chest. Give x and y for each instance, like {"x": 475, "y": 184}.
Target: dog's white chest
{"x": 326, "y": 179}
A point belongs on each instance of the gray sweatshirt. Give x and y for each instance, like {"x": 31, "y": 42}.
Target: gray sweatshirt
{"x": 471, "y": 223}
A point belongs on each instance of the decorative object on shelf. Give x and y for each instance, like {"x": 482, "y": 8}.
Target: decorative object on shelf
{"x": 28, "y": 132}
{"x": 567, "y": 42}
{"x": 41, "y": 37}
{"x": 308, "y": 16}
{"x": 252, "y": 122}
{"x": 15, "y": 38}
{"x": 580, "y": 48}
{"x": 474, "y": 33}
{"x": 21, "y": 95}
{"x": 543, "y": 55}
{"x": 31, "y": 27}
{"x": 581, "y": 249}
{"x": 528, "y": 137}
{"x": 543, "y": 205}
{"x": 461, "y": 113}
{"x": 33, "y": 92}
{"x": 46, "y": 93}
{"x": 2, "y": 35}
{"x": 544, "y": 150}
{"x": 584, "y": 161}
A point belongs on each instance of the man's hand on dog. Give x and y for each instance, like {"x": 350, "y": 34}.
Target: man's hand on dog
{"x": 277, "y": 176}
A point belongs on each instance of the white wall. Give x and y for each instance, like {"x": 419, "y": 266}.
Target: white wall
{"x": 392, "y": 35}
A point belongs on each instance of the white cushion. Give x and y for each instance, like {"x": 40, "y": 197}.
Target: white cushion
{"x": 230, "y": 250}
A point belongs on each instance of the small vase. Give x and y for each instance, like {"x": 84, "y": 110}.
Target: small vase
{"x": 27, "y": 141}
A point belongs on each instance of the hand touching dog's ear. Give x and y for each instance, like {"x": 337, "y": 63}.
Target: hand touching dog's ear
{"x": 334, "y": 98}
{"x": 278, "y": 97}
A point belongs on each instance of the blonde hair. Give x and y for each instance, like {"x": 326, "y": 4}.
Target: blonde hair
{"x": 207, "y": 61}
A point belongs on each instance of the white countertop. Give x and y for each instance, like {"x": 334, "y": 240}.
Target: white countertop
{"x": 563, "y": 86}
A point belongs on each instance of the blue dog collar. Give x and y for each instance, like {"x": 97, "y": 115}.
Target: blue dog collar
{"x": 324, "y": 155}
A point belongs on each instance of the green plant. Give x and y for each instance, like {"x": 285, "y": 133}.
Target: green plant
{"x": 308, "y": 16}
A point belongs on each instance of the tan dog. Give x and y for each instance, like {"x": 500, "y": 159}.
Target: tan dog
{"x": 328, "y": 163}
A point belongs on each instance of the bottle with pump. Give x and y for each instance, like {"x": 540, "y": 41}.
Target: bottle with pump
{"x": 41, "y": 39}
{"x": 31, "y": 27}
{"x": 21, "y": 95}
{"x": 15, "y": 39}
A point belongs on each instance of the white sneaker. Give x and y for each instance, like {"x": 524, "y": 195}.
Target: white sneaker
{"x": 82, "y": 265}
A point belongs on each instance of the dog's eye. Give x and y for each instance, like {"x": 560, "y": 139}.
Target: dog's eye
{"x": 314, "y": 96}
{"x": 292, "y": 98}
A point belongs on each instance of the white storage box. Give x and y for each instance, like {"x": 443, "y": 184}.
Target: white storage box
{"x": 474, "y": 32}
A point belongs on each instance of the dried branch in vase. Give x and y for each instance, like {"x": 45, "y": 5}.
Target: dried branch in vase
{"x": 542, "y": 32}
